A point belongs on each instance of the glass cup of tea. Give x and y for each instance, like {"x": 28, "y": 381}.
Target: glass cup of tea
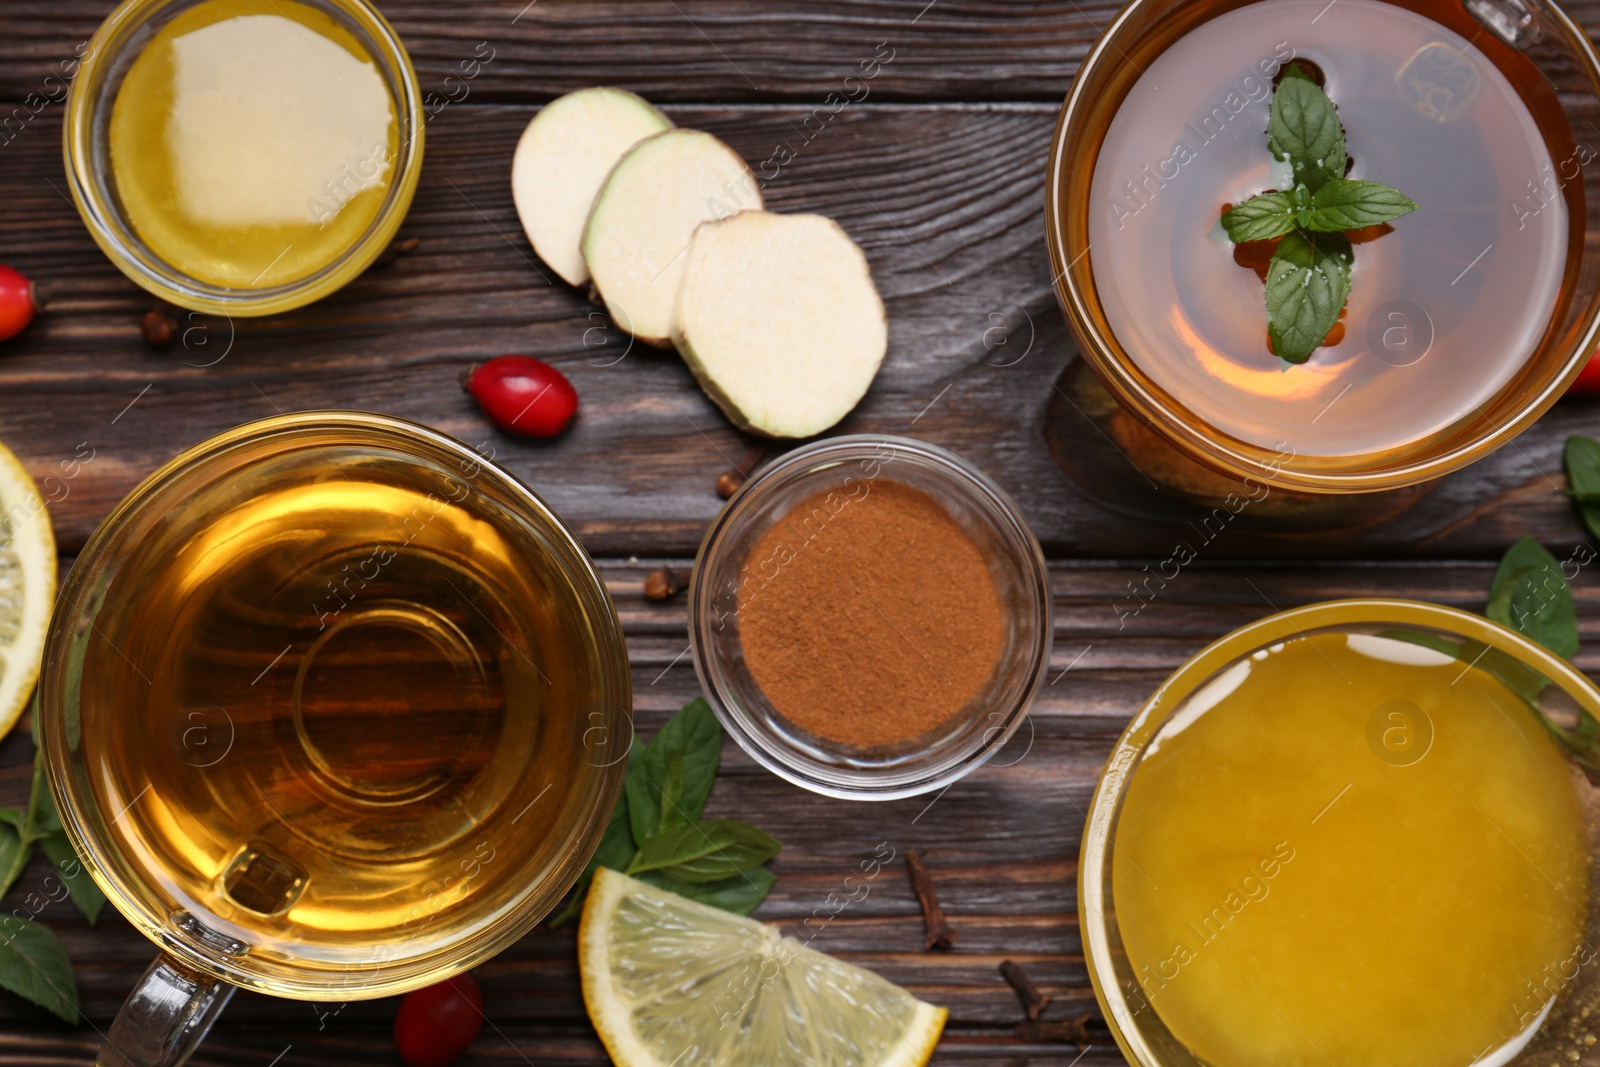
{"x": 333, "y": 708}
{"x": 1359, "y": 831}
{"x": 1466, "y": 319}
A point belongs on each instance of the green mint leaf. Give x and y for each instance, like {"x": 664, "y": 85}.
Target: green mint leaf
{"x": 616, "y": 850}
{"x": 1260, "y": 218}
{"x": 1530, "y": 595}
{"x": 1304, "y": 130}
{"x": 1342, "y": 204}
{"x": 1521, "y": 679}
{"x": 1582, "y": 460}
{"x": 42, "y": 818}
{"x": 1583, "y": 742}
{"x": 710, "y": 852}
{"x": 672, "y": 780}
{"x": 15, "y": 851}
{"x": 1308, "y": 281}
{"x": 85, "y": 894}
{"x": 739, "y": 894}
{"x": 695, "y": 734}
{"x": 1517, "y": 676}
{"x": 1302, "y": 205}
{"x": 34, "y": 966}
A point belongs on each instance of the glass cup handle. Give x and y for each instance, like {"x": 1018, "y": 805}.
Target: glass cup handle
{"x": 164, "y": 1018}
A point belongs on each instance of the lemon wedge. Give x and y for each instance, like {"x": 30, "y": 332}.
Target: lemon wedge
{"x": 670, "y": 982}
{"x": 27, "y": 586}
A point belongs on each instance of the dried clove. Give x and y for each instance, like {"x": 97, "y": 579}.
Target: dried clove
{"x": 1047, "y": 1031}
{"x": 940, "y": 934}
{"x": 1033, "y": 1001}
{"x": 396, "y": 249}
{"x": 158, "y": 328}
{"x": 662, "y": 584}
{"x": 729, "y": 481}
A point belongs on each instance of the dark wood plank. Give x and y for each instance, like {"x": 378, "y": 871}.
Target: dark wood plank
{"x": 945, "y": 199}
{"x": 676, "y": 50}
{"x": 1002, "y": 844}
{"x": 938, "y": 173}
{"x": 683, "y": 50}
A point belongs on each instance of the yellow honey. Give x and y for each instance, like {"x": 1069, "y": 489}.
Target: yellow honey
{"x": 1352, "y": 850}
{"x": 252, "y": 142}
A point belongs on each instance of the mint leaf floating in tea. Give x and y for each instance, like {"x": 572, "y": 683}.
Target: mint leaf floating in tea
{"x": 1308, "y": 280}
{"x": 1304, "y": 130}
{"x": 1260, "y": 218}
{"x": 1343, "y": 204}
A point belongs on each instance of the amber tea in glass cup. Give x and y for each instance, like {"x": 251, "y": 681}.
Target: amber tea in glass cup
{"x": 333, "y": 708}
{"x": 1466, "y": 319}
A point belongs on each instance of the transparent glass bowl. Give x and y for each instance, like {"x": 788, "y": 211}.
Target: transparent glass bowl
{"x": 1564, "y": 55}
{"x": 955, "y": 748}
{"x": 1144, "y": 1039}
{"x": 87, "y": 149}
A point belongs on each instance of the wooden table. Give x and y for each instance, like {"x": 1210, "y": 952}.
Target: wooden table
{"x": 938, "y": 173}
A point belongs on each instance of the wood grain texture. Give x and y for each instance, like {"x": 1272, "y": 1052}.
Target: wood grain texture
{"x": 938, "y": 173}
{"x": 946, "y": 200}
{"x": 685, "y": 50}
{"x": 1001, "y": 845}
{"x": 678, "y": 50}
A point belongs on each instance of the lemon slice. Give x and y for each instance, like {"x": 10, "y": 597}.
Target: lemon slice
{"x": 670, "y": 982}
{"x": 27, "y": 586}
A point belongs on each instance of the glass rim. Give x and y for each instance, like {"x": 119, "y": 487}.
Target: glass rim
{"x": 1181, "y": 428}
{"x": 104, "y": 219}
{"x": 786, "y": 761}
{"x": 1190, "y": 676}
{"x": 75, "y": 809}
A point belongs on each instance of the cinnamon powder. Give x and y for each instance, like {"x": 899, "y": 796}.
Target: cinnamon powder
{"x": 869, "y": 617}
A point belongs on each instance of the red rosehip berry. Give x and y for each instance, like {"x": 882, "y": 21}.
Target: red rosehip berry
{"x": 19, "y": 299}
{"x": 523, "y": 395}
{"x": 435, "y": 1025}
{"x": 1587, "y": 383}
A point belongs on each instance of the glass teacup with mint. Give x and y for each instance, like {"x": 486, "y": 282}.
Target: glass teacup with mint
{"x": 1332, "y": 247}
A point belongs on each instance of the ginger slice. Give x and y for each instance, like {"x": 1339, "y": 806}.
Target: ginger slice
{"x": 780, "y": 321}
{"x": 562, "y": 160}
{"x": 637, "y": 240}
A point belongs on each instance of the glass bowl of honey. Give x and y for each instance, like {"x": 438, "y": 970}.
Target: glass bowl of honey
{"x": 870, "y": 617}
{"x": 244, "y": 157}
{"x": 1466, "y": 319}
{"x": 1354, "y": 832}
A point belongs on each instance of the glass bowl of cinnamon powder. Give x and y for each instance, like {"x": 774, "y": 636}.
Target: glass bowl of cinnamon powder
{"x": 870, "y": 617}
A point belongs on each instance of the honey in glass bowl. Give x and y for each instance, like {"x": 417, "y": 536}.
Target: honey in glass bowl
{"x": 252, "y": 141}
{"x": 243, "y": 157}
{"x": 1357, "y": 832}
